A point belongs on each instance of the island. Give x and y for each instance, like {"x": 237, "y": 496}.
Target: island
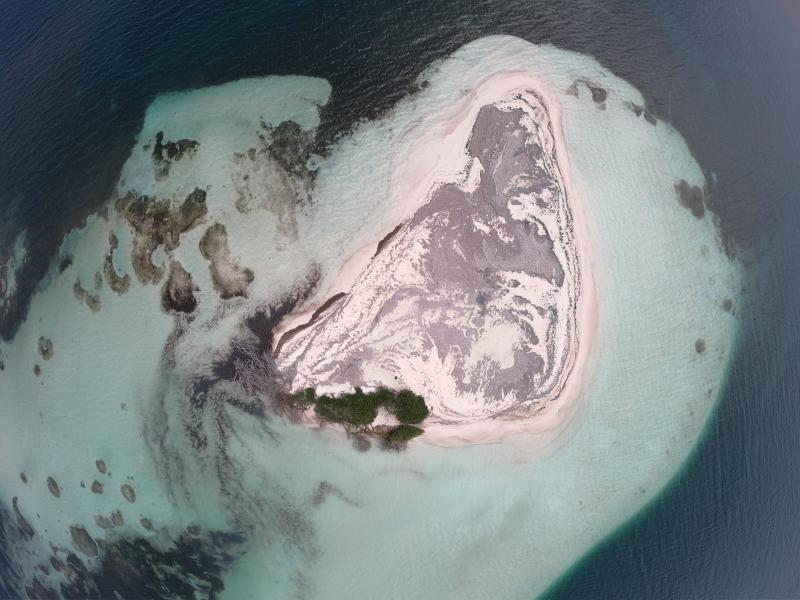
{"x": 476, "y": 295}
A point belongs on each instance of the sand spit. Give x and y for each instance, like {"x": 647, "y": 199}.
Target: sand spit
{"x": 478, "y": 291}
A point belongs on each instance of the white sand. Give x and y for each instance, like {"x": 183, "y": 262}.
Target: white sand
{"x": 432, "y": 154}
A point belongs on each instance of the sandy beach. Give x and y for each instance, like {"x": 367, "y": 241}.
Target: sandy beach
{"x": 432, "y": 154}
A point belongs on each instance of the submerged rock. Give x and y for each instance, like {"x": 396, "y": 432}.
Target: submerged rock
{"x": 691, "y": 197}
{"x": 39, "y": 591}
{"x": 178, "y": 292}
{"x": 637, "y": 109}
{"x": 290, "y": 146}
{"x": 101, "y": 466}
{"x": 64, "y": 263}
{"x": 82, "y": 295}
{"x": 599, "y": 94}
{"x": 640, "y": 110}
{"x": 52, "y": 485}
{"x": 24, "y": 526}
{"x": 156, "y": 223}
{"x": 191, "y": 567}
{"x": 82, "y": 541}
{"x": 174, "y": 151}
{"x": 102, "y": 522}
{"x": 230, "y": 280}
{"x": 116, "y": 518}
{"x": 326, "y": 489}
{"x": 128, "y": 492}
{"x": 119, "y": 284}
{"x": 97, "y": 487}
{"x": 110, "y": 522}
{"x": 45, "y": 348}
{"x": 361, "y": 443}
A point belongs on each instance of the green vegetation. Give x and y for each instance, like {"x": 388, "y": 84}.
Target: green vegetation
{"x": 407, "y": 406}
{"x": 360, "y": 409}
{"x": 399, "y": 436}
{"x": 357, "y": 408}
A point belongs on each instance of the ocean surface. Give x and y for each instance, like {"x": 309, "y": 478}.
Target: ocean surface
{"x": 77, "y": 77}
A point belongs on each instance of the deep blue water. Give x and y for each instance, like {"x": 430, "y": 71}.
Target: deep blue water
{"x": 76, "y": 77}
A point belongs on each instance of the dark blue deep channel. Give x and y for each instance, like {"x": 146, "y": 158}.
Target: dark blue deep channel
{"x": 76, "y": 77}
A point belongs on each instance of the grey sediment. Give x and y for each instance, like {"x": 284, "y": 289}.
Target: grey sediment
{"x": 288, "y": 335}
{"x": 480, "y": 245}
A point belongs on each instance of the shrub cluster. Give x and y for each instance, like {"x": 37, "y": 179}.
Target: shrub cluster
{"x": 360, "y": 408}
{"x": 399, "y": 436}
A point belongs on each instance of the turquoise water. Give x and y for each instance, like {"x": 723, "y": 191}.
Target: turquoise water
{"x": 466, "y": 521}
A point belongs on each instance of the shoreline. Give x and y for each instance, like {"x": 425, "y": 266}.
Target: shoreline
{"x": 549, "y": 421}
{"x": 411, "y": 186}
